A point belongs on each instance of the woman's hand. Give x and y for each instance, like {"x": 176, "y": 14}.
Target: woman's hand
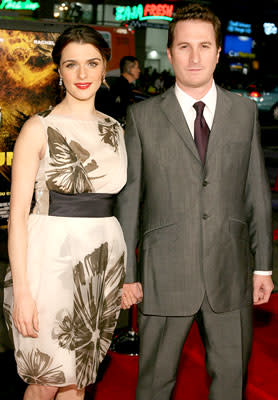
{"x": 25, "y": 315}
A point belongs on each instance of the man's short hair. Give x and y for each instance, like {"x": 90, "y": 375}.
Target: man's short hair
{"x": 195, "y": 12}
{"x": 127, "y": 62}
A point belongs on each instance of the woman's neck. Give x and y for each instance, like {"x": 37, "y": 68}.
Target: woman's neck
{"x": 76, "y": 108}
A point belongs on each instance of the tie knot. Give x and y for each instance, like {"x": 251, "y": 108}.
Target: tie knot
{"x": 199, "y": 107}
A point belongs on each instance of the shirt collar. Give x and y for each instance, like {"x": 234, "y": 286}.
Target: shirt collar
{"x": 187, "y": 101}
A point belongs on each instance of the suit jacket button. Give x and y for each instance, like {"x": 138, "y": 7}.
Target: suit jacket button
{"x": 205, "y": 216}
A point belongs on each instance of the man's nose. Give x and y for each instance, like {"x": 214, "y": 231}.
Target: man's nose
{"x": 195, "y": 55}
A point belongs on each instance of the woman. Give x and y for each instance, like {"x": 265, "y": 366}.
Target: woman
{"x": 68, "y": 256}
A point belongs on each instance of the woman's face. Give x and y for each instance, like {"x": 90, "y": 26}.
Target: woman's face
{"x": 82, "y": 69}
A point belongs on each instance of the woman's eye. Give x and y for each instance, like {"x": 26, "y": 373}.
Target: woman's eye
{"x": 70, "y": 65}
{"x": 93, "y": 64}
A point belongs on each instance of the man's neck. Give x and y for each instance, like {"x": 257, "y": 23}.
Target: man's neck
{"x": 196, "y": 92}
{"x": 128, "y": 77}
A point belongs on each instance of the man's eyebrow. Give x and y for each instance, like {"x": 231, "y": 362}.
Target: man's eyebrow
{"x": 202, "y": 42}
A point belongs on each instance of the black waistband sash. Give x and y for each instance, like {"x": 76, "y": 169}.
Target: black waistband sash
{"x": 86, "y": 205}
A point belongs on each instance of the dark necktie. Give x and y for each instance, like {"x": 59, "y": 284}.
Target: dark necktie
{"x": 201, "y": 130}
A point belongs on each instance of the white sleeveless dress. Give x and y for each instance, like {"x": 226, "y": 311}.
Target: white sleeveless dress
{"x": 75, "y": 265}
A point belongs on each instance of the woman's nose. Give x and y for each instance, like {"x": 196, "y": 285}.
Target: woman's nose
{"x": 82, "y": 72}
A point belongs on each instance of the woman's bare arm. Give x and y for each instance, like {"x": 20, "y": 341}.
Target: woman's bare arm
{"x": 28, "y": 150}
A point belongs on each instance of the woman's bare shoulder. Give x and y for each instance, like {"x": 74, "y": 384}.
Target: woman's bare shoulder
{"x": 32, "y": 132}
{"x": 33, "y": 123}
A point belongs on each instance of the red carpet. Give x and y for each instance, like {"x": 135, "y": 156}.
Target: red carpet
{"x": 119, "y": 380}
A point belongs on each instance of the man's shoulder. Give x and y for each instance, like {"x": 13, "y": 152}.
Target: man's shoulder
{"x": 236, "y": 99}
{"x": 117, "y": 82}
{"x": 149, "y": 104}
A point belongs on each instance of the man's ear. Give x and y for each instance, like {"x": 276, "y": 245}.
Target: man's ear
{"x": 169, "y": 54}
{"x": 218, "y": 54}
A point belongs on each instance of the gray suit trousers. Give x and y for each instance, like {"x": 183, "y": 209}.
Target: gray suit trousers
{"x": 227, "y": 338}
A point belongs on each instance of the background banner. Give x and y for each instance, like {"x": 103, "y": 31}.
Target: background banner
{"x": 28, "y": 85}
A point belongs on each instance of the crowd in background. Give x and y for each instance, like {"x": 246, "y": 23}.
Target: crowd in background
{"x": 153, "y": 82}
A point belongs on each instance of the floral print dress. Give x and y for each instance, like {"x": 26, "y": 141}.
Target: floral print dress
{"x": 75, "y": 265}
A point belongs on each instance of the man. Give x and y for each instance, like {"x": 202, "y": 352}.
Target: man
{"x": 195, "y": 209}
{"x": 121, "y": 90}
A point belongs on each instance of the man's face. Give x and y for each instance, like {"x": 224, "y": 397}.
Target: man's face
{"x": 194, "y": 55}
{"x": 135, "y": 71}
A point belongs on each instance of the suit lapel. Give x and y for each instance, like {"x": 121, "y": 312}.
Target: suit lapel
{"x": 219, "y": 126}
{"x": 171, "y": 108}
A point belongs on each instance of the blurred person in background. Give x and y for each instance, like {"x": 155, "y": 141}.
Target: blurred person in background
{"x": 122, "y": 89}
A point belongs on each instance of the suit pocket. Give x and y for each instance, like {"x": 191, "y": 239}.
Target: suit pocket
{"x": 158, "y": 236}
{"x": 238, "y": 229}
{"x": 161, "y": 263}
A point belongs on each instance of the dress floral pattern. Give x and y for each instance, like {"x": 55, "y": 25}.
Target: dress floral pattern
{"x": 109, "y": 130}
{"x": 71, "y": 164}
{"x": 36, "y": 367}
{"x": 75, "y": 266}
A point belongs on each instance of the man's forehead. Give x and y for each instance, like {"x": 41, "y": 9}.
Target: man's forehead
{"x": 194, "y": 30}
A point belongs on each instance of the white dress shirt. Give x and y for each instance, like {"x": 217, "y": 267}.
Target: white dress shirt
{"x": 186, "y": 102}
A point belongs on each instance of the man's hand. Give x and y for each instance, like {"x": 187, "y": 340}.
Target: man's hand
{"x": 132, "y": 293}
{"x": 262, "y": 288}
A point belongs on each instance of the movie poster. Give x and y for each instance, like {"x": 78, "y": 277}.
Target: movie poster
{"x": 29, "y": 84}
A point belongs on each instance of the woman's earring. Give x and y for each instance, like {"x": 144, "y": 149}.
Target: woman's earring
{"x": 61, "y": 81}
{"x": 105, "y": 83}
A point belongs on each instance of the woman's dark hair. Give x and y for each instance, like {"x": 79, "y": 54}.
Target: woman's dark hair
{"x": 83, "y": 34}
{"x": 195, "y": 12}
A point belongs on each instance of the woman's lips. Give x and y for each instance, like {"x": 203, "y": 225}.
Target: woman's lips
{"x": 83, "y": 85}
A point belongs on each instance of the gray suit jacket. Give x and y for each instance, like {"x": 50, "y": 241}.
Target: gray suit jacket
{"x": 195, "y": 225}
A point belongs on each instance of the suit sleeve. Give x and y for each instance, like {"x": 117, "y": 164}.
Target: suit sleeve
{"x": 129, "y": 199}
{"x": 258, "y": 201}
